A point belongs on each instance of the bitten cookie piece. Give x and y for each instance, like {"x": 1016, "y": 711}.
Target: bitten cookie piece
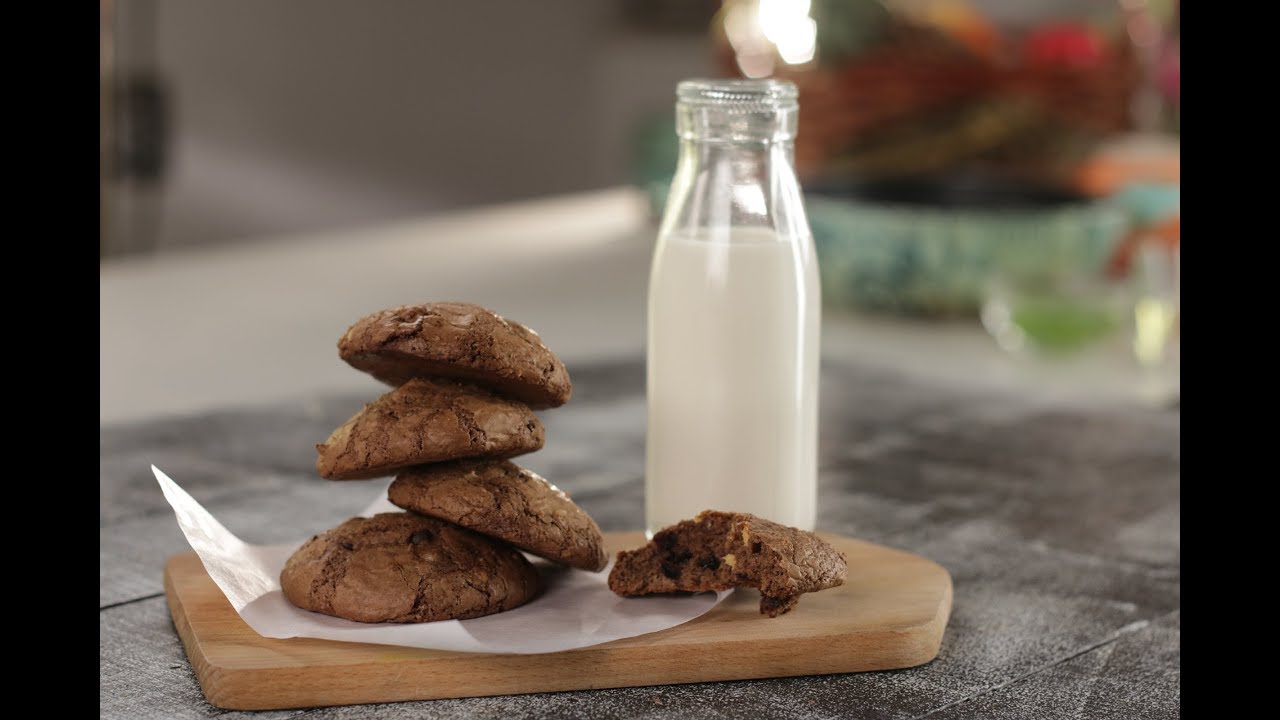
{"x": 403, "y": 568}
{"x": 457, "y": 340}
{"x": 720, "y": 550}
{"x": 425, "y": 421}
{"x": 502, "y": 499}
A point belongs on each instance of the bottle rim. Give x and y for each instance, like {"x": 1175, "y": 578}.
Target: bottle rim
{"x": 740, "y": 95}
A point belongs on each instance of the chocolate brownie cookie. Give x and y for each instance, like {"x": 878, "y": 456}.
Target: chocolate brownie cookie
{"x": 425, "y": 421}
{"x": 401, "y": 567}
{"x": 457, "y": 340}
{"x": 502, "y": 499}
{"x": 720, "y": 550}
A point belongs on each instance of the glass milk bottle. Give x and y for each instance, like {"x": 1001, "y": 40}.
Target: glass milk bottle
{"x": 734, "y": 316}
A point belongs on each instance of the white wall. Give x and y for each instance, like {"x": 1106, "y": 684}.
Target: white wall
{"x": 295, "y": 115}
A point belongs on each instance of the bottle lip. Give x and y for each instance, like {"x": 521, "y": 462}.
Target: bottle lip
{"x": 740, "y": 95}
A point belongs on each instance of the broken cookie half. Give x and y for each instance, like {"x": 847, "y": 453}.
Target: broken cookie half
{"x": 722, "y": 550}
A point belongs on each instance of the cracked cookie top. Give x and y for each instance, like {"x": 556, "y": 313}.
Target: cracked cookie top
{"x": 457, "y": 340}
{"x": 401, "y": 567}
{"x": 502, "y": 499}
{"x": 426, "y": 421}
{"x": 722, "y": 550}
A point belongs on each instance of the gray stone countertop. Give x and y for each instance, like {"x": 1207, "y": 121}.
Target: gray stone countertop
{"x": 1060, "y": 529}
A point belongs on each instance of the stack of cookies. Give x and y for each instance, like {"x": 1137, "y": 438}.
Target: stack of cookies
{"x": 466, "y": 382}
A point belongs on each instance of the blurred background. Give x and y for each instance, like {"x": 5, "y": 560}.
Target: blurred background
{"x": 1002, "y": 173}
{"x": 225, "y": 121}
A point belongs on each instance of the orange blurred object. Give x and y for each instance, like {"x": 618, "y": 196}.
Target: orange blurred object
{"x": 1130, "y": 160}
{"x": 942, "y": 88}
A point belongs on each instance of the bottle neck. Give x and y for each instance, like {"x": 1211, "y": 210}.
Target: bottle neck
{"x": 721, "y": 185}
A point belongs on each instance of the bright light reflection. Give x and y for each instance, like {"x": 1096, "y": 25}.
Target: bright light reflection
{"x": 760, "y": 32}
{"x": 740, "y": 25}
{"x": 755, "y": 66}
{"x": 750, "y": 198}
{"x": 786, "y": 23}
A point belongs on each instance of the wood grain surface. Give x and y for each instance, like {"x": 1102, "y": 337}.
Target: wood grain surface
{"x": 890, "y": 614}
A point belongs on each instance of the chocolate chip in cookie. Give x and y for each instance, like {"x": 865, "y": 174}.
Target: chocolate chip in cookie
{"x": 406, "y": 568}
{"x": 721, "y": 550}
{"x": 426, "y": 421}
{"x": 502, "y": 499}
{"x": 457, "y": 340}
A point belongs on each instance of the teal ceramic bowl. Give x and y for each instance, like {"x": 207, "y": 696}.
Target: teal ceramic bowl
{"x": 921, "y": 253}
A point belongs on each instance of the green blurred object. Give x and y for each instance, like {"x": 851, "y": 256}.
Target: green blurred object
{"x": 1059, "y": 325}
{"x": 847, "y": 28}
{"x": 654, "y": 154}
{"x": 1150, "y": 202}
{"x": 1052, "y": 295}
{"x": 931, "y": 250}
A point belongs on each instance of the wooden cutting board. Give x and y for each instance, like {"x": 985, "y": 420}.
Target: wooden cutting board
{"x": 889, "y": 614}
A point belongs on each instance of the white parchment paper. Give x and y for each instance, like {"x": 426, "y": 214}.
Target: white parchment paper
{"x": 576, "y": 608}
